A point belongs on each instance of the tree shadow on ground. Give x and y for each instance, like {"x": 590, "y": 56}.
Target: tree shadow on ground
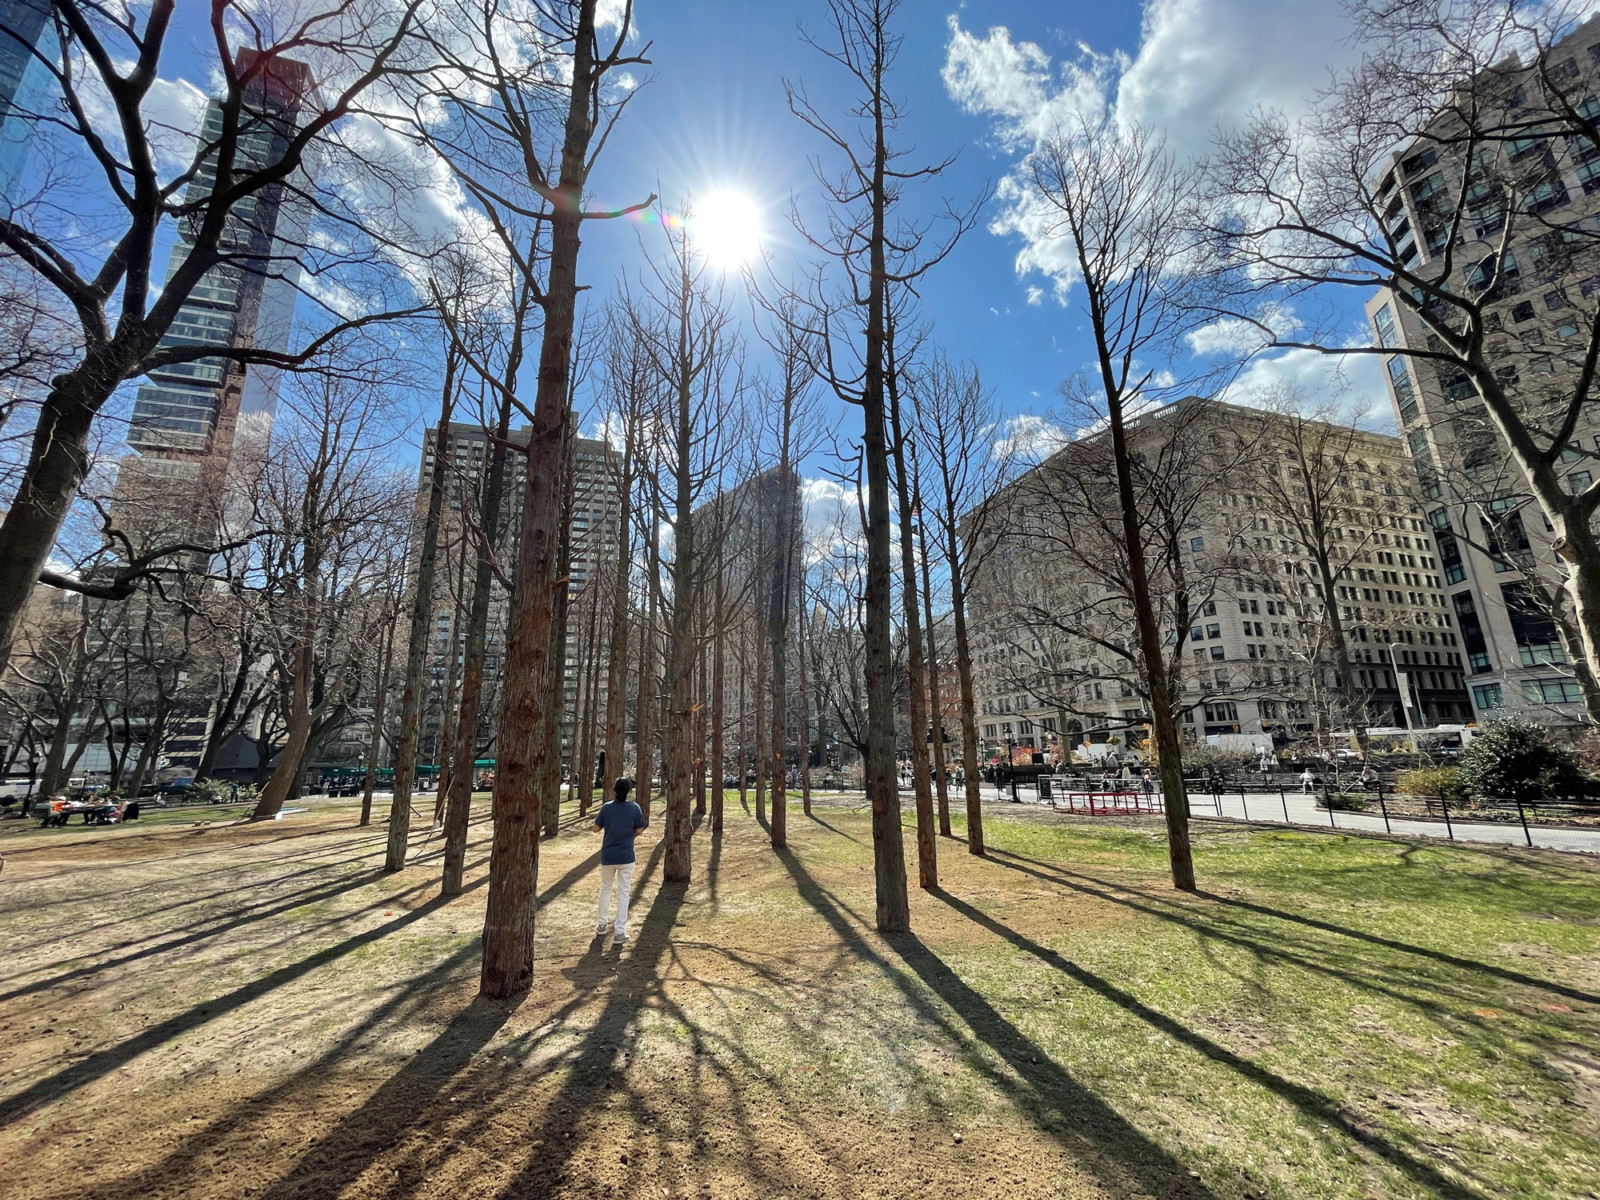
{"x": 103, "y": 1062}
{"x": 1412, "y": 1161}
{"x": 834, "y": 829}
{"x": 1101, "y": 1140}
{"x": 1167, "y": 909}
{"x": 366, "y": 1134}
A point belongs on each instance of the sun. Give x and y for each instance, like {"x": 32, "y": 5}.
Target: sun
{"x": 726, "y": 228}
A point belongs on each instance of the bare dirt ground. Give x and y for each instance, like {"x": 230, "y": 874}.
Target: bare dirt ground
{"x": 227, "y": 1010}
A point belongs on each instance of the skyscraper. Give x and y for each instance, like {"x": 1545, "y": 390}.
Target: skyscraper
{"x": 22, "y": 87}
{"x": 189, "y": 414}
{"x": 1521, "y": 243}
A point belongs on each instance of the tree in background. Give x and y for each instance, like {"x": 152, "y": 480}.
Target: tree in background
{"x": 122, "y": 304}
{"x": 872, "y": 248}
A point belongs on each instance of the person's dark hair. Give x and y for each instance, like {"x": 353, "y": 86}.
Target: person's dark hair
{"x": 622, "y": 787}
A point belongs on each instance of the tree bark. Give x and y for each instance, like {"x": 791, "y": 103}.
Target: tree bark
{"x": 969, "y": 708}
{"x": 762, "y": 731}
{"x": 702, "y": 713}
{"x": 458, "y": 808}
{"x": 927, "y": 841}
{"x": 375, "y": 747}
{"x": 405, "y": 759}
{"x": 645, "y": 744}
{"x": 719, "y": 749}
{"x": 935, "y": 697}
{"x": 555, "y": 683}
{"x": 523, "y": 748}
{"x": 803, "y": 735}
{"x": 57, "y": 463}
{"x": 679, "y": 755}
{"x": 617, "y": 664}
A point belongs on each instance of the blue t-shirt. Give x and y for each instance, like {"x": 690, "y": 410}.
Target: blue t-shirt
{"x": 620, "y": 823}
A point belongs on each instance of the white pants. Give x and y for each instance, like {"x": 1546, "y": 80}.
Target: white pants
{"x": 622, "y": 874}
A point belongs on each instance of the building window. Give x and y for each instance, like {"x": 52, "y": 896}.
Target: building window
{"x": 1522, "y": 311}
{"x": 988, "y": 731}
{"x": 1383, "y": 322}
{"x": 1224, "y": 712}
{"x": 1551, "y": 691}
{"x": 1198, "y": 543}
{"x": 1218, "y": 654}
{"x": 1471, "y": 632}
{"x": 1214, "y": 631}
{"x": 1580, "y": 481}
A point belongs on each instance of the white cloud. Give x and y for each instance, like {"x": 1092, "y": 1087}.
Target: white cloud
{"x": 1202, "y": 63}
{"x": 1349, "y": 387}
{"x": 1234, "y": 336}
{"x": 1035, "y": 296}
{"x": 1029, "y": 437}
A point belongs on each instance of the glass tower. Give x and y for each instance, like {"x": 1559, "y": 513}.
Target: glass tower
{"x": 23, "y": 87}
{"x": 192, "y": 411}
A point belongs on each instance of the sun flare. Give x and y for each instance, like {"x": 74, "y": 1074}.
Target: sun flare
{"x": 727, "y": 228}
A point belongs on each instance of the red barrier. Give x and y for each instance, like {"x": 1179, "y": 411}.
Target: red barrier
{"x": 1112, "y": 803}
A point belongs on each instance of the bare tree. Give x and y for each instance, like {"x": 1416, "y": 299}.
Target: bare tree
{"x": 1119, "y": 204}
{"x": 525, "y": 130}
{"x": 96, "y": 58}
{"x": 695, "y": 354}
{"x": 335, "y": 517}
{"x": 873, "y": 248}
{"x": 957, "y": 421}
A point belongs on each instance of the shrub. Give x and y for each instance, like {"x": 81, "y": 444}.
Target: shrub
{"x": 1431, "y": 781}
{"x": 1514, "y": 759}
{"x": 1346, "y": 802}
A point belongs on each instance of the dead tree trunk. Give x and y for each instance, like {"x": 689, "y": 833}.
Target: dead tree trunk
{"x": 405, "y": 760}
{"x": 935, "y": 693}
{"x": 645, "y": 746}
{"x": 375, "y": 747}
{"x": 617, "y": 664}
{"x": 458, "y": 807}
{"x": 719, "y": 750}
{"x": 927, "y": 843}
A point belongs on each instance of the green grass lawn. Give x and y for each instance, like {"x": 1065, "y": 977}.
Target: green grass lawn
{"x": 1335, "y": 1016}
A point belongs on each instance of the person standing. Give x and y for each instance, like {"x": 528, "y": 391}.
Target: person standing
{"x": 619, "y": 820}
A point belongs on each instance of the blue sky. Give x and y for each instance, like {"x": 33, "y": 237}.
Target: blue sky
{"x": 713, "y": 115}
{"x": 973, "y": 78}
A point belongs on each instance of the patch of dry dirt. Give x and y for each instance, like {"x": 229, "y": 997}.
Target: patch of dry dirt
{"x": 248, "y": 1011}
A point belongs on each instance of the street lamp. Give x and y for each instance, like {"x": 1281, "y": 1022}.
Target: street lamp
{"x": 1404, "y": 680}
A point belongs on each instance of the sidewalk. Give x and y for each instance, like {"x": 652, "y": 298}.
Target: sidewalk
{"x": 1302, "y": 811}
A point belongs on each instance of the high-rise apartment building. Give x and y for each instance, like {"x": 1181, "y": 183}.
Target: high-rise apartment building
{"x": 187, "y": 417}
{"x": 1251, "y": 639}
{"x": 596, "y": 505}
{"x": 1523, "y": 245}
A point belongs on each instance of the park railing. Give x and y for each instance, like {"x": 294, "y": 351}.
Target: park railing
{"x": 1569, "y": 822}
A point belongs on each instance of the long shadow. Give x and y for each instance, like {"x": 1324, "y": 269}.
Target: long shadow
{"x": 1309, "y": 1101}
{"x": 244, "y": 1119}
{"x": 833, "y": 828}
{"x": 103, "y": 1062}
{"x": 368, "y": 1132}
{"x": 594, "y": 1067}
{"x": 338, "y": 1158}
{"x": 185, "y": 937}
{"x": 1158, "y": 906}
{"x": 1103, "y": 1141}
